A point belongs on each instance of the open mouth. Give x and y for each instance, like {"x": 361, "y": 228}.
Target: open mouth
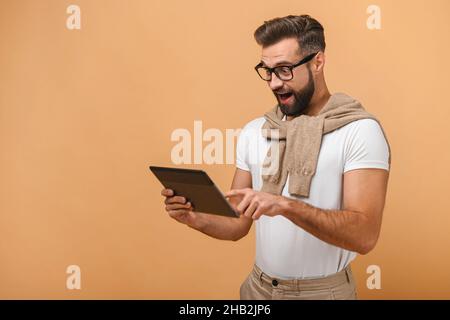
{"x": 285, "y": 97}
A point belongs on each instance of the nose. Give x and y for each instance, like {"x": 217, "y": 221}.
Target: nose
{"x": 275, "y": 83}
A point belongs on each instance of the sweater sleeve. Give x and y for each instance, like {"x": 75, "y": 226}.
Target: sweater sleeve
{"x": 366, "y": 147}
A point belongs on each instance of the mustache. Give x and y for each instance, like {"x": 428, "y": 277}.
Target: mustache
{"x": 278, "y": 93}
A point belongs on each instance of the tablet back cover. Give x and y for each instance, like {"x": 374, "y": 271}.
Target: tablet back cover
{"x": 196, "y": 187}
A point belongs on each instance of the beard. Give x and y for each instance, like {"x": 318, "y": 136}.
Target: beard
{"x": 302, "y": 98}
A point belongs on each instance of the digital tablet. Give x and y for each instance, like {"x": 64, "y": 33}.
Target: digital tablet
{"x": 197, "y": 187}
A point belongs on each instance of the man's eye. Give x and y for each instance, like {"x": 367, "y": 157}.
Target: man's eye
{"x": 284, "y": 71}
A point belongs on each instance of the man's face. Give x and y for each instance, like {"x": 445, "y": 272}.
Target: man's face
{"x": 293, "y": 96}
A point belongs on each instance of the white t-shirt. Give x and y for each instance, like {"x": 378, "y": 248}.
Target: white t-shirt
{"x": 283, "y": 249}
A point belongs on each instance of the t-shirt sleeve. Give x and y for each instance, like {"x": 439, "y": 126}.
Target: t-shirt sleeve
{"x": 242, "y": 159}
{"x": 366, "y": 147}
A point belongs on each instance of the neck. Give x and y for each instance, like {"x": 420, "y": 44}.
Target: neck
{"x": 319, "y": 99}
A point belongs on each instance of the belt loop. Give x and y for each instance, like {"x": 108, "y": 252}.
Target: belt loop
{"x": 347, "y": 273}
{"x": 259, "y": 273}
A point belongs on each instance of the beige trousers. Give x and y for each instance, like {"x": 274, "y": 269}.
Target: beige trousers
{"x": 259, "y": 286}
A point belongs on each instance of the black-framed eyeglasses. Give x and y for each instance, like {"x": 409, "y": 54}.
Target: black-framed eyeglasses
{"x": 283, "y": 73}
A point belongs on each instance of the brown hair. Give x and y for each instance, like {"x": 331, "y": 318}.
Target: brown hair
{"x": 307, "y": 30}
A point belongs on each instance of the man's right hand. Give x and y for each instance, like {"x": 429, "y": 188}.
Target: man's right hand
{"x": 179, "y": 209}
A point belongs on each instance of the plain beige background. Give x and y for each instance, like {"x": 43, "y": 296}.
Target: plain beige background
{"x": 84, "y": 112}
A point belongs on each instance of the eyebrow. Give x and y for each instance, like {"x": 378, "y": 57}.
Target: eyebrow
{"x": 284, "y": 62}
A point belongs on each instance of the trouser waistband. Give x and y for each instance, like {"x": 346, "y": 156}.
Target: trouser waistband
{"x": 305, "y": 284}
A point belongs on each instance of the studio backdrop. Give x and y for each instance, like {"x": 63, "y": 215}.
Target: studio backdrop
{"x": 92, "y": 92}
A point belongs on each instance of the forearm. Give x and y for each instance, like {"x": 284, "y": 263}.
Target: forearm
{"x": 219, "y": 227}
{"x": 343, "y": 228}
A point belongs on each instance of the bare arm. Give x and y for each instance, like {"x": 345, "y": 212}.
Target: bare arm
{"x": 219, "y": 227}
{"x": 356, "y": 227}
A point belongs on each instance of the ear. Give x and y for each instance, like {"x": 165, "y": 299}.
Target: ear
{"x": 318, "y": 63}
